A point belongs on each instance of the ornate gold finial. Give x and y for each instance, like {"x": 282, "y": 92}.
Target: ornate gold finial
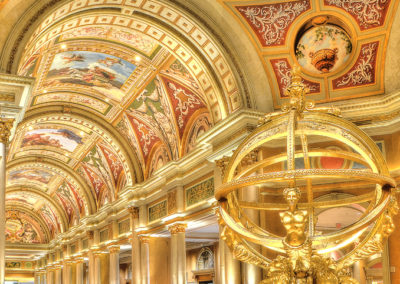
{"x": 6, "y": 125}
{"x": 296, "y": 92}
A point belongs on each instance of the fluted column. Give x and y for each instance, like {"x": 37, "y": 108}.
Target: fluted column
{"x": 79, "y": 271}
{"x": 135, "y": 253}
{"x": 43, "y": 277}
{"x": 90, "y": 236}
{"x": 58, "y": 276}
{"x": 97, "y": 268}
{"x": 50, "y": 275}
{"x": 5, "y": 128}
{"x": 145, "y": 262}
{"x": 232, "y": 268}
{"x": 221, "y": 267}
{"x": 114, "y": 264}
{"x": 37, "y": 277}
{"x": 178, "y": 253}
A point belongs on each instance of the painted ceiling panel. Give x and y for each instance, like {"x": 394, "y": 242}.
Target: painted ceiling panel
{"x": 103, "y": 72}
{"x": 336, "y": 43}
{"x": 22, "y": 228}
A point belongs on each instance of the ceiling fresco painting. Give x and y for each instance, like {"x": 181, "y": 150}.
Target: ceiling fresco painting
{"x": 323, "y": 48}
{"x": 336, "y": 43}
{"x": 29, "y": 175}
{"x": 59, "y": 138}
{"x": 103, "y": 72}
{"x": 24, "y": 197}
{"x": 21, "y": 228}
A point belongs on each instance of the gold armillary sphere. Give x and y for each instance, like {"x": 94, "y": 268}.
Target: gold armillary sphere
{"x": 286, "y": 159}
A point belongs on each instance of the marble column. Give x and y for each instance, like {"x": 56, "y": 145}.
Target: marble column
{"x": 135, "y": 252}
{"x": 58, "y": 276}
{"x": 90, "y": 235}
{"x": 79, "y": 271}
{"x": 145, "y": 261}
{"x": 37, "y": 277}
{"x": 221, "y": 267}
{"x": 232, "y": 268}
{"x": 43, "y": 277}
{"x": 114, "y": 264}
{"x": 49, "y": 275}
{"x": 178, "y": 253}
{"x": 5, "y": 128}
{"x": 97, "y": 267}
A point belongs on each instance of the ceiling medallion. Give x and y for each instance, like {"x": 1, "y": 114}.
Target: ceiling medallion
{"x": 323, "y": 45}
{"x": 289, "y": 189}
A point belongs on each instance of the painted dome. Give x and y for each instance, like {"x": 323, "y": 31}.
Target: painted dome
{"x": 323, "y": 49}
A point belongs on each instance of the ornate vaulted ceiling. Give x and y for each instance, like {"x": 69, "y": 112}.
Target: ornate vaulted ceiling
{"x": 115, "y": 99}
{"x": 281, "y": 30}
{"x": 123, "y": 87}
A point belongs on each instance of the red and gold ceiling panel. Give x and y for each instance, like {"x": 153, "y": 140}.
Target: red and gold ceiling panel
{"x": 158, "y": 121}
{"x": 337, "y": 44}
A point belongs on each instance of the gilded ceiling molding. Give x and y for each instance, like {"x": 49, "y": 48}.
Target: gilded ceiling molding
{"x": 34, "y": 215}
{"x": 60, "y": 211}
{"x": 75, "y": 112}
{"x": 86, "y": 191}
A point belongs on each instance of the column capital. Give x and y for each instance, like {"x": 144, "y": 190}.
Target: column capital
{"x": 78, "y": 260}
{"x": 134, "y": 211}
{"x": 98, "y": 253}
{"x": 6, "y": 125}
{"x": 144, "y": 239}
{"x": 114, "y": 249}
{"x": 177, "y": 228}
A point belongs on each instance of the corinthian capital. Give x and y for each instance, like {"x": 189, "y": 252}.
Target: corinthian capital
{"x": 5, "y": 129}
{"x": 177, "y": 228}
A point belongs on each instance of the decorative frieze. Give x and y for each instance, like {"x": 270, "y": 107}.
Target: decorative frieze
{"x": 171, "y": 199}
{"x": 90, "y": 235}
{"x": 200, "y": 192}
{"x": 158, "y": 211}
{"x": 104, "y": 235}
{"x": 124, "y": 226}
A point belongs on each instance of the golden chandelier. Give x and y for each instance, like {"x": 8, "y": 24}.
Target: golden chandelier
{"x": 280, "y": 159}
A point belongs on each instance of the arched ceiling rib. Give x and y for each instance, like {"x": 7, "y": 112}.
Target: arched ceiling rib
{"x": 42, "y": 204}
{"x": 51, "y": 176}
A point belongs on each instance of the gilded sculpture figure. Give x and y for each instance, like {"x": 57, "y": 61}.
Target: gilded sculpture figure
{"x": 304, "y": 254}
